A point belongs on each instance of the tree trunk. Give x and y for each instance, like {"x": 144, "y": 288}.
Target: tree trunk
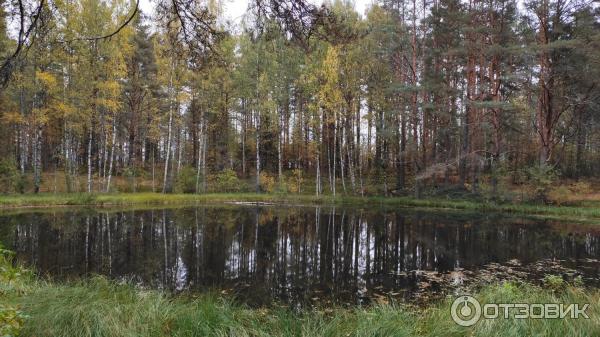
{"x": 318, "y": 154}
{"x": 257, "y": 134}
{"x": 167, "y": 155}
{"x": 37, "y": 160}
{"x": 334, "y": 149}
{"x": 279, "y": 154}
{"x": 244, "y": 126}
{"x": 112, "y": 156}
{"x": 89, "y": 161}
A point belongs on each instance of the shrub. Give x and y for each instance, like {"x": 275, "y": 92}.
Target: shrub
{"x": 227, "y": 181}
{"x": 519, "y": 177}
{"x": 553, "y": 282}
{"x": 267, "y": 182}
{"x": 541, "y": 178}
{"x": 10, "y": 179}
{"x": 134, "y": 172}
{"x": 281, "y": 187}
{"x": 559, "y": 195}
{"x": 11, "y": 321}
{"x": 295, "y": 181}
{"x": 131, "y": 183}
{"x": 186, "y": 180}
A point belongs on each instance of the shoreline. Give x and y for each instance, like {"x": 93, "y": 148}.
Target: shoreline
{"x": 50, "y": 200}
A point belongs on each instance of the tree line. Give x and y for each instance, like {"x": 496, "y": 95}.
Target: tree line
{"x": 407, "y": 97}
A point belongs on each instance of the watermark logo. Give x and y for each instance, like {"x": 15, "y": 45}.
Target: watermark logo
{"x": 466, "y": 310}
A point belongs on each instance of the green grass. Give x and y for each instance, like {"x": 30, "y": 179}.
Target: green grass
{"x": 100, "y": 307}
{"x": 586, "y": 212}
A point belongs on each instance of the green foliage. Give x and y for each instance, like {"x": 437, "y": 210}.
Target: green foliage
{"x": 403, "y": 79}
{"x": 281, "y": 187}
{"x": 553, "y": 282}
{"x": 226, "y": 181}
{"x": 541, "y": 178}
{"x": 186, "y": 180}
{"x": 11, "y": 321}
{"x": 11, "y": 280}
{"x": 136, "y": 172}
{"x": 133, "y": 176}
{"x": 11, "y": 180}
{"x": 82, "y": 199}
{"x": 7, "y": 271}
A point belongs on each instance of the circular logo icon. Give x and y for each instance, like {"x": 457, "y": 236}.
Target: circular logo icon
{"x": 465, "y": 310}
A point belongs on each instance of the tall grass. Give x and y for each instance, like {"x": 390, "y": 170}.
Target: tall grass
{"x": 99, "y": 307}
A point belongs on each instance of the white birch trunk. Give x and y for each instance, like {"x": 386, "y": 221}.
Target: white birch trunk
{"x": 279, "y": 155}
{"x": 199, "y": 164}
{"x": 334, "y": 148}
{"x": 112, "y": 156}
{"x": 342, "y": 161}
{"x": 257, "y": 151}
{"x": 164, "y": 190}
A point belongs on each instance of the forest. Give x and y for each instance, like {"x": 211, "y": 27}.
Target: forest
{"x": 307, "y": 168}
{"x": 407, "y": 98}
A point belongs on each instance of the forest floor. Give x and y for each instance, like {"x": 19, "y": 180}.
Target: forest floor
{"x": 585, "y": 210}
{"x": 31, "y": 306}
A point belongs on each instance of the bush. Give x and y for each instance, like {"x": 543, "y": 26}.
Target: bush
{"x": 267, "y": 182}
{"x": 553, "y": 282}
{"x": 134, "y": 172}
{"x": 559, "y": 195}
{"x": 186, "y": 180}
{"x": 11, "y": 180}
{"x": 541, "y": 178}
{"x": 131, "y": 182}
{"x": 11, "y": 321}
{"x": 295, "y": 181}
{"x": 227, "y": 181}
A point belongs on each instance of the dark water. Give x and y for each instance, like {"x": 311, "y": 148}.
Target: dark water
{"x": 299, "y": 255}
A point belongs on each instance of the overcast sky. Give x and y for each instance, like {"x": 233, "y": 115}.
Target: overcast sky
{"x": 234, "y": 9}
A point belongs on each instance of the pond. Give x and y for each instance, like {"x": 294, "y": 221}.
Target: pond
{"x": 301, "y": 255}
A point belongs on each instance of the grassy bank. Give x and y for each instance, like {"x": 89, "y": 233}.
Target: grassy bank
{"x": 98, "y": 307}
{"x": 588, "y": 211}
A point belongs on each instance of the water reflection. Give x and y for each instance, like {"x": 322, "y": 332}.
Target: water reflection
{"x": 288, "y": 254}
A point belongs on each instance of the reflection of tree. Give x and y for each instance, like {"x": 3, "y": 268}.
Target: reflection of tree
{"x": 273, "y": 253}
